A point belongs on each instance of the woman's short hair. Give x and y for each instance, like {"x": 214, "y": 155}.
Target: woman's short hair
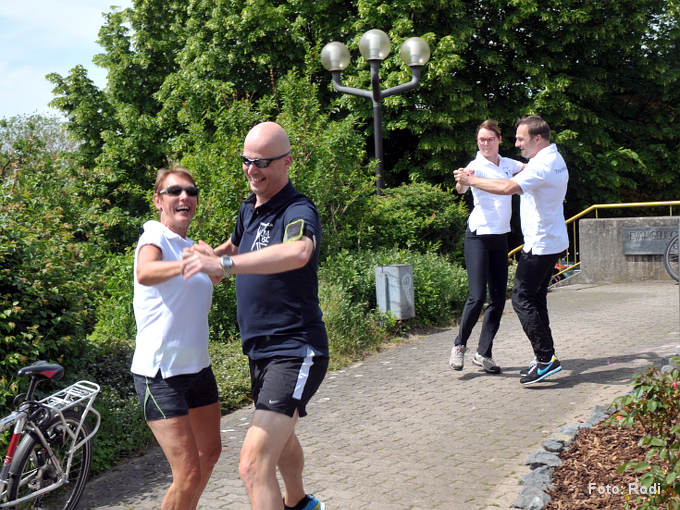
{"x": 173, "y": 170}
{"x": 491, "y": 125}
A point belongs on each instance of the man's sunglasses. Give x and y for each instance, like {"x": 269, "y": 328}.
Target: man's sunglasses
{"x": 261, "y": 162}
{"x": 175, "y": 191}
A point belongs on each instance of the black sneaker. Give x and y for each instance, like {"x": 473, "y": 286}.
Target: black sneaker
{"x": 541, "y": 371}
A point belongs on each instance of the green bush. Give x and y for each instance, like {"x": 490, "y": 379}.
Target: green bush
{"x": 419, "y": 217}
{"x": 353, "y": 329}
{"x": 123, "y": 431}
{"x": 440, "y": 287}
{"x": 115, "y": 318}
{"x": 329, "y": 163}
{"x": 654, "y": 404}
{"x": 43, "y": 311}
{"x": 232, "y": 373}
{"x": 47, "y": 286}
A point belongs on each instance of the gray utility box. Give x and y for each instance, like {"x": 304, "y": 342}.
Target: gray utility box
{"x": 394, "y": 290}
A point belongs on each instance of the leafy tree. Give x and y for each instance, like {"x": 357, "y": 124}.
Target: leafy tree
{"x": 122, "y": 143}
{"x": 88, "y": 112}
{"x": 604, "y": 75}
{"x": 44, "y": 132}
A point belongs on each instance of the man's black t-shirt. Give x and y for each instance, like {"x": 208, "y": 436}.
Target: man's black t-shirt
{"x": 279, "y": 314}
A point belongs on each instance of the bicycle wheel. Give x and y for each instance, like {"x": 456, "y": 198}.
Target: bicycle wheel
{"x": 32, "y": 469}
{"x": 670, "y": 258}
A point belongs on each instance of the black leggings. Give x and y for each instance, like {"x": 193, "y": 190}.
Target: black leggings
{"x": 486, "y": 260}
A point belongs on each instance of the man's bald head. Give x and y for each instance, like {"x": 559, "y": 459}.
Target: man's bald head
{"x": 270, "y": 141}
{"x": 267, "y": 139}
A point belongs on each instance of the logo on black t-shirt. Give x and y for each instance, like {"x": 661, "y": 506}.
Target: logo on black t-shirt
{"x": 263, "y": 236}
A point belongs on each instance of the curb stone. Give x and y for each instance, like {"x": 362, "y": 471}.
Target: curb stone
{"x": 532, "y": 498}
{"x": 535, "y": 485}
{"x": 533, "y": 495}
{"x": 671, "y": 363}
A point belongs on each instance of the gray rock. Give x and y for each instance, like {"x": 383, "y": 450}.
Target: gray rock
{"x": 595, "y": 419}
{"x": 572, "y": 430}
{"x": 552, "y": 446}
{"x": 543, "y": 462}
{"x": 671, "y": 365}
{"x": 606, "y": 410}
{"x": 543, "y": 458}
{"x": 565, "y": 439}
{"x": 531, "y": 499}
{"x": 539, "y": 478}
{"x": 600, "y": 413}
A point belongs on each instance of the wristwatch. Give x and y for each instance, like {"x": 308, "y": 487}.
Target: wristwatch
{"x": 227, "y": 264}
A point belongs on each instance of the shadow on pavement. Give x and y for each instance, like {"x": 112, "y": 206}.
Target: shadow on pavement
{"x": 575, "y": 371}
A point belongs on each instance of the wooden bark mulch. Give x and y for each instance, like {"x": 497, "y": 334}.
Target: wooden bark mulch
{"x": 588, "y": 477}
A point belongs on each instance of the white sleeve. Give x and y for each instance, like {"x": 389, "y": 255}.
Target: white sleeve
{"x": 152, "y": 235}
{"x": 515, "y": 165}
{"x": 533, "y": 175}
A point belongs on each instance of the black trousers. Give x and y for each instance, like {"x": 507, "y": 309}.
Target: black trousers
{"x": 530, "y": 301}
{"x": 486, "y": 260}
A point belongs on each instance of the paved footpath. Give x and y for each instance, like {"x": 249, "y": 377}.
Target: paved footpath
{"x": 401, "y": 430}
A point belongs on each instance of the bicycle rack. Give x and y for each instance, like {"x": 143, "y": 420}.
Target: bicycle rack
{"x": 70, "y": 397}
{"x": 80, "y": 393}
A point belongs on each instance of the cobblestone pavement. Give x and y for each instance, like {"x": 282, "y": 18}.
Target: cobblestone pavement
{"x": 401, "y": 430}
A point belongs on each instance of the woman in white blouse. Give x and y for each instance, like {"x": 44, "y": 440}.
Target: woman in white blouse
{"x": 171, "y": 367}
{"x": 486, "y": 250}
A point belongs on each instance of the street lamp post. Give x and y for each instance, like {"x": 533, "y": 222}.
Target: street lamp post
{"x": 375, "y": 47}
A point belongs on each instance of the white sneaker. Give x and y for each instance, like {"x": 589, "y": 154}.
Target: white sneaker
{"x": 457, "y": 359}
{"x": 524, "y": 372}
{"x": 488, "y": 364}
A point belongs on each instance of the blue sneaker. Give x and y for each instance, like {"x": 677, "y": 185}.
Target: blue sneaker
{"x": 313, "y": 504}
{"x": 541, "y": 371}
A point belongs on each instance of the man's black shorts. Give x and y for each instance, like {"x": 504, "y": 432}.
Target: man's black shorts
{"x": 168, "y": 398}
{"x": 283, "y": 384}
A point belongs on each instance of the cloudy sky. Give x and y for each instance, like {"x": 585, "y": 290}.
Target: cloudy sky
{"x": 38, "y": 37}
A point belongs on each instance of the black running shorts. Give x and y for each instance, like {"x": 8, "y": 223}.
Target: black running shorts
{"x": 284, "y": 384}
{"x": 168, "y": 398}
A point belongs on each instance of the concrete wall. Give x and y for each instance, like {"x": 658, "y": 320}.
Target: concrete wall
{"x": 602, "y": 254}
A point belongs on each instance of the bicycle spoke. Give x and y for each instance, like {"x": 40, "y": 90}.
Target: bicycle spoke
{"x": 38, "y": 470}
{"x": 670, "y": 259}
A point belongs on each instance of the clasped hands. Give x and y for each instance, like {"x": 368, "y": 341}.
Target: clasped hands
{"x": 462, "y": 176}
{"x": 201, "y": 258}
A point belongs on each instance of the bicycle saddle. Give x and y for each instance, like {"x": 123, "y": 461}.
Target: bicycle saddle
{"x": 43, "y": 369}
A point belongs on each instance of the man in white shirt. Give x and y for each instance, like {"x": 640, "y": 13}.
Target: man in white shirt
{"x": 542, "y": 186}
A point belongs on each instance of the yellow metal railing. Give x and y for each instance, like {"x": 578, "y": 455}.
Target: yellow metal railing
{"x": 572, "y": 251}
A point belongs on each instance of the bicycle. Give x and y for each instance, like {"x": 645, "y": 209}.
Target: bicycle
{"x": 50, "y": 450}
{"x": 670, "y": 258}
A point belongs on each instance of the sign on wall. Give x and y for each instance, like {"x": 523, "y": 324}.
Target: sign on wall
{"x": 646, "y": 240}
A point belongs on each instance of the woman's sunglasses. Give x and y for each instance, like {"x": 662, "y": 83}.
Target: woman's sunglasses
{"x": 175, "y": 191}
